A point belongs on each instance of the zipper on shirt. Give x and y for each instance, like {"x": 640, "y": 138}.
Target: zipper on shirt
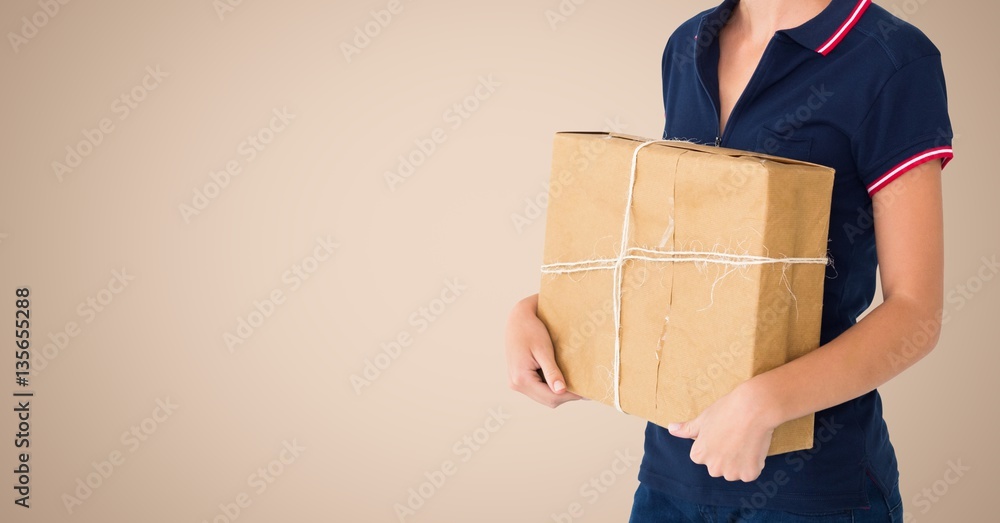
{"x": 719, "y": 135}
{"x": 715, "y": 108}
{"x": 749, "y": 88}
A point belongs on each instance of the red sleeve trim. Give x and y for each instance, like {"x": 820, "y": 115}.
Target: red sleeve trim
{"x": 944, "y": 153}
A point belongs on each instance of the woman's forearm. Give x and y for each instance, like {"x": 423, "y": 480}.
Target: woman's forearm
{"x": 894, "y": 336}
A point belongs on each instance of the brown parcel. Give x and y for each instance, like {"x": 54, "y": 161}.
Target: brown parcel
{"x": 691, "y": 330}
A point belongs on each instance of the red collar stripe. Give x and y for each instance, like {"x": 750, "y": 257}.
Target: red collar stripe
{"x": 945, "y": 153}
{"x": 844, "y": 28}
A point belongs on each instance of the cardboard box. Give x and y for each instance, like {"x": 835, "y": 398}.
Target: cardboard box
{"x": 721, "y": 276}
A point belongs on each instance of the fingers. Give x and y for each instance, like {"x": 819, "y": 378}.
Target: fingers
{"x": 733, "y": 474}
{"x": 525, "y": 378}
{"x": 687, "y": 430}
{"x": 732, "y": 468}
{"x": 545, "y": 357}
{"x": 531, "y": 385}
{"x": 549, "y": 384}
{"x": 531, "y": 360}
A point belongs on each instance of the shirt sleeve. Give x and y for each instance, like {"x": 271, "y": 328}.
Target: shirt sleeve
{"x": 907, "y": 125}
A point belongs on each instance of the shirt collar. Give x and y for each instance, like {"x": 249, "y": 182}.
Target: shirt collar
{"x": 821, "y": 34}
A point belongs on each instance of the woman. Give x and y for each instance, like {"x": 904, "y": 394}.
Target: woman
{"x": 845, "y": 84}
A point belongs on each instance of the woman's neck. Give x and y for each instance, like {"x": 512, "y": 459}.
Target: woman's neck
{"x": 758, "y": 20}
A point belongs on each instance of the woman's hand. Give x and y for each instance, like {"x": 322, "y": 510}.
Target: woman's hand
{"x": 529, "y": 349}
{"x": 731, "y": 437}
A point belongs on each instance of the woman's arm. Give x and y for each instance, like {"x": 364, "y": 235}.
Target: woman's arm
{"x": 732, "y": 436}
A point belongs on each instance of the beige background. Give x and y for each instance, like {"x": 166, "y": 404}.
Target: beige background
{"x": 161, "y": 337}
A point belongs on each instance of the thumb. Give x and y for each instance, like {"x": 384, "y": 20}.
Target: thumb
{"x": 687, "y": 429}
{"x": 545, "y": 357}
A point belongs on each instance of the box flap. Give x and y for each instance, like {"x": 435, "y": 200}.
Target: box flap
{"x": 710, "y": 149}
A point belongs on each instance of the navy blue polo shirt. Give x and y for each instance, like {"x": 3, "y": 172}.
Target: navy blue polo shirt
{"x": 861, "y": 91}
